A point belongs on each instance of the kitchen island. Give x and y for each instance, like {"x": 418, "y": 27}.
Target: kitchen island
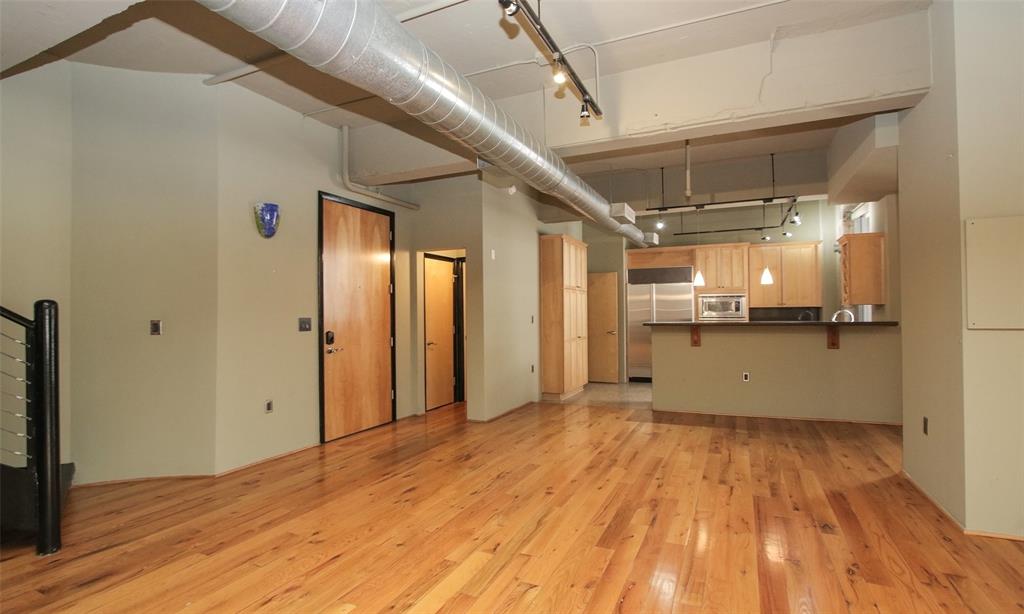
{"x": 795, "y": 369}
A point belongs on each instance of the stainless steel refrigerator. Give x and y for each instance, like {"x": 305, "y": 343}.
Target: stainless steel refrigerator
{"x": 654, "y": 295}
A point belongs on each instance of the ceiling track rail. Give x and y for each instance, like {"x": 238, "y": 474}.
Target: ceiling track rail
{"x": 559, "y": 56}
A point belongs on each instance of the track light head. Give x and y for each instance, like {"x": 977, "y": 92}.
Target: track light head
{"x": 511, "y": 6}
{"x": 796, "y": 219}
{"x": 585, "y": 111}
{"x": 787, "y": 234}
{"x": 559, "y": 77}
{"x": 765, "y": 238}
{"x": 659, "y": 224}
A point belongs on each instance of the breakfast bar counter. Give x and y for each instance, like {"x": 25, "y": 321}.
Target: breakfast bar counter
{"x": 789, "y": 369}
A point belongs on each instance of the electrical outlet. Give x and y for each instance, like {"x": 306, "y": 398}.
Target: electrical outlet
{"x": 532, "y": 368}
{"x": 746, "y": 376}
{"x": 156, "y": 327}
{"x": 924, "y": 425}
{"x": 268, "y": 406}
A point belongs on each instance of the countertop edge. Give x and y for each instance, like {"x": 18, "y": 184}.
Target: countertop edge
{"x": 774, "y": 323}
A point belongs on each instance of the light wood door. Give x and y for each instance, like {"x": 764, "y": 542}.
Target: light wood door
{"x": 603, "y": 327}
{"x": 760, "y": 257}
{"x": 801, "y": 276}
{"x": 439, "y": 327}
{"x": 357, "y": 318}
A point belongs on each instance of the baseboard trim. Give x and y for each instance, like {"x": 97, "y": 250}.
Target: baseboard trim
{"x": 266, "y": 460}
{"x": 972, "y": 533}
{"x": 187, "y": 476}
{"x": 501, "y": 415}
{"x": 804, "y": 418}
{"x": 558, "y": 397}
{"x": 968, "y": 532}
{"x": 932, "y": 500}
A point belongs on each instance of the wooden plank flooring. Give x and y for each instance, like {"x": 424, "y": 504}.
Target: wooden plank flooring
{"x": 548, "y": 509}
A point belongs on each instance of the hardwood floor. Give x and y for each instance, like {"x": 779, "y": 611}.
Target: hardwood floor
{"x": 548, "y": 509}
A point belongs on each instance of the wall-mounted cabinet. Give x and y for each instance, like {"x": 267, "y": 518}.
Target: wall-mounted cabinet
{"x": 862, "y": 268}
{"x": 724, "y": 267}
{"x": 659, "y": 257}
{"x": 563, "y": 315}
{"x": 796, "y": 272}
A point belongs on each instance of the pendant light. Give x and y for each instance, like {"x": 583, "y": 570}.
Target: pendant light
{"x": 766, "y": 277}
{"x": 661, "y": 222}
{"x": 698, "y": 279}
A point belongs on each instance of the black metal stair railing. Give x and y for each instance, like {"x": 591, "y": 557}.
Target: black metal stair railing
{"x": 30, "y": 405}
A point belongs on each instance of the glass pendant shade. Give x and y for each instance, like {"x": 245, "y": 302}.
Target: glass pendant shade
{"x": 766, "y": 277}
{"x": 698, "y": 279}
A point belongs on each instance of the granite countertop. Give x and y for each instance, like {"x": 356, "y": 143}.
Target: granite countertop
{"x": 775, "y": 323}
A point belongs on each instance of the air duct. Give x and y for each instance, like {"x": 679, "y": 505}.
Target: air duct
{"x": 359, "y": 42}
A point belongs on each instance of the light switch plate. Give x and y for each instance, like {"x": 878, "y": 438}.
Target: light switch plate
{"x": 305, "y": 325}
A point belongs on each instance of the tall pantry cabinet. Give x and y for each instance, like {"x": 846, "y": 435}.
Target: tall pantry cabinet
{"x": 563, "y": 315}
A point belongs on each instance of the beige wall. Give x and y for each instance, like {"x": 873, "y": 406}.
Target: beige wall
{"x": 990, "y": 134}
{"x": 144, "y": 246}
{"x": 930, "y": 256}
{"x": 35, "y": 215}
{"x": 511, "y": 297}
{"x": 792, "y": 373}
{"x": 144, "y": 185}
{"x": 263, "y": 285}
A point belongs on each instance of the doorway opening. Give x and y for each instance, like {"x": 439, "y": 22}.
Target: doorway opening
{"x": 444, "y": 326}
{"x": 357, "y": 316}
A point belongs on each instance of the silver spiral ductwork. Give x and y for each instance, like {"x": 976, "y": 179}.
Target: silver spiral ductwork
{"x": 359, "y": 42}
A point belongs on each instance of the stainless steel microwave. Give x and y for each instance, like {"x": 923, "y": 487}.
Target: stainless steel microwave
{"x": 722, "y": 307}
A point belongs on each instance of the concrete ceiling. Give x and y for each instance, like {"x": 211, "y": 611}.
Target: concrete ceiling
{"x": 182, "y": 37}
{"x": 814, "y": 136}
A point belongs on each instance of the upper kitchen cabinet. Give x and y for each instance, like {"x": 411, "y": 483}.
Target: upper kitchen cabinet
{"x": 724, "y": 267}
{"x": 862, "y": 268}
{"x": 659, "y": 257}
{"x": 796, "y": 274}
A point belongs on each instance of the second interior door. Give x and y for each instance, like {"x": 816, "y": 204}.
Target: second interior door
{"x": 603, "y": 327}
{"x": 439, "y": 327}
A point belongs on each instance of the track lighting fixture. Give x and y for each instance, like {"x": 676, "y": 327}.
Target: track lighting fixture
{"x": 787, "y": 234}
{"x": 796, "y": 219}
{"x": 764, "y": 224}
{"x": 659, "y": 224}
{"x": 526, "y": 15}
{"x": 698, "y": 278}
{"x": 765, "y": 237}
{"x": 511, "y": 6}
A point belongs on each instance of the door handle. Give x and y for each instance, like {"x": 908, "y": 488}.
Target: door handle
{"x": 429, "y": 343}
{"x": 333, "y": 350}
{"x": 611, "y": 332}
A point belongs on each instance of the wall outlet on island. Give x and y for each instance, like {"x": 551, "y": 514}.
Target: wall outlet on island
{"x": 746, "y": 376}
{"x": 268, "y": 406}
{"x": 924, "y": 425}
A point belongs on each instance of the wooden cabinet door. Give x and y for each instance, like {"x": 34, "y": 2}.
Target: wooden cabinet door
{"x": 581, "y": 270}
{"x": 732, "y": 267}
{"x": 568, "y": 264}
{"x": 582, "y": 317}
{"x": 706, "y": 259}
{"x": 801, "y": 276}
{"x": 760, "y": 257}
{"x": 862, "y": 257}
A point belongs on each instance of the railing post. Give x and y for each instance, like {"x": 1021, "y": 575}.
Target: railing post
{"x": 46, "y": 420}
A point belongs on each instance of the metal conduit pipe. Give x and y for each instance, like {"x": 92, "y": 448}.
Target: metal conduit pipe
{"x": 359, "y": 42}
